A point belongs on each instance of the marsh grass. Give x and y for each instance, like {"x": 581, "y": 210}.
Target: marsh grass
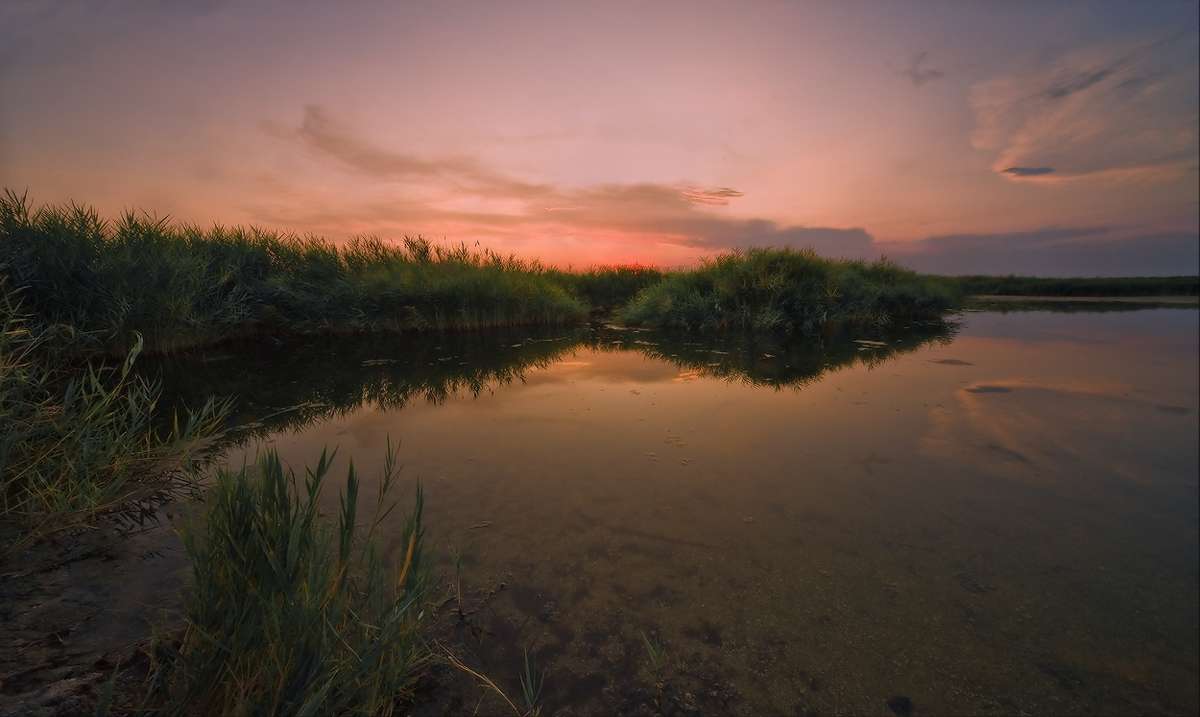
{"x": 658, "y": 659}
{"x": 607, "y": 288}
{"x": 180, "y": 286}
{"x": 292, "y": 613}
{"x": 79, "y": 442}
{"x": 788, "y": 290}
{"x": 531, "y": 686}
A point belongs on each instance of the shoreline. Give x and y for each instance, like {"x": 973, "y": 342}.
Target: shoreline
{"x": 1011, "y": 298}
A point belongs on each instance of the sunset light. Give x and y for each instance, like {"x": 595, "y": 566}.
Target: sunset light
{"x": 1040, "y": 138}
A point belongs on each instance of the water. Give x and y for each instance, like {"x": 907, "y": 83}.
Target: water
{"x": 1002, "y": 522}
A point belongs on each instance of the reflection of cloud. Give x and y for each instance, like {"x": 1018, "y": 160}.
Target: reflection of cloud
{"x": 1103, "y": 111}
{"x": 1056, "y": 251}
{"x": 916, "y": 74}
{"x": 1055, "y": 433}
{"x": 1027, "y": 171}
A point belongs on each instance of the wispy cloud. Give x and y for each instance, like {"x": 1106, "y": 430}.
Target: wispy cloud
{"x": 327, "y": 137}
{"x": 469, "y": 197}
{"x": 1103, "y": 111}
{"x": 463, "y": 198}
{"x": 1027, "y": 171}
{"x": 916, "y": 74}
{"x": 719, "y": 196}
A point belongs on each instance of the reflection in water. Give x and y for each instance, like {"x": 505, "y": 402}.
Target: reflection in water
{"x": 778, "y": 360}
{"x": 292, "y": 385}
{"x": 1000, "y": 523}
{"x": 279, "y": 386}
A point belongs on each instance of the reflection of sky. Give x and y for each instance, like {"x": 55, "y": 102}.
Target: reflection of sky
{"x": 1049, "y": 138}
{"x": 1061, "y": 472}
{"x": 1036, "y": 397}
{"x": 1097, "y": 327}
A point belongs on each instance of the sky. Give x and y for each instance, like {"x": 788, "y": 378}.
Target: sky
{"x": 1038, "y": 138}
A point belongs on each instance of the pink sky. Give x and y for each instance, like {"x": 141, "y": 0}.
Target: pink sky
{"x": 1036, "y": 138}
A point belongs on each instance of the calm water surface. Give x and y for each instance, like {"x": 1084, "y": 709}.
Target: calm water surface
{"x": 1005, "y": 522}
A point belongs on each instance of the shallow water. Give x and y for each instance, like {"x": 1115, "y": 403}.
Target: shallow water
{"x": 1005, "y": 522}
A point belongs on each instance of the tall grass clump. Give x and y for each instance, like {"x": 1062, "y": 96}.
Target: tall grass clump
{"x": 180, "y": 286}
{"x": 291, "y": 613}
{"x": 788, "y": 290}
{"x": 607, "y": 288}
{"x": 78, "y": 442}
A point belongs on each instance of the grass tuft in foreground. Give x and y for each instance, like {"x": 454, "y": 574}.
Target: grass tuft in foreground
{"x": 80, "y": 442}
{"x": 788, "y": 290}
{"x": 291, "y": 613}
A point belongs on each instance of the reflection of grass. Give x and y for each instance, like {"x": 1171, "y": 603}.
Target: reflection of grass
{"x": 298, "y": 382}
{"x": 778, "y": 360}
{"x": 289, "y": 614}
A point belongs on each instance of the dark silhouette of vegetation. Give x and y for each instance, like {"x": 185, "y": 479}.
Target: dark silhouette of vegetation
{"x": 1100, "y": 286}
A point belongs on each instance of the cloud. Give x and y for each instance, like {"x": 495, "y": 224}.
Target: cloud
{"x": 470, "y": 201}
{"x": 918, "y": 76}
{"x": 1101, "y": 112}
{"x": 1027, "y": 171}
{"x": 464, "y": 195}
{"x": 1055, "y": 251}
{"x": 719, "y": 196}
{"x": 329, "y": 138}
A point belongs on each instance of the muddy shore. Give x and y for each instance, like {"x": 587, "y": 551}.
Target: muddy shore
{"x": 77, "y": 605}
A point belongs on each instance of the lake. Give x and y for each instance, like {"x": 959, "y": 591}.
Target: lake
{"x": 996, "y": 519}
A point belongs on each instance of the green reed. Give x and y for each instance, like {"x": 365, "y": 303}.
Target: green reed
{"x": 292, "y": 613}
{"x": 78, "y": 442}
{"x": 181, "y": 286}
{"x": 787, "y": 290}
{"x": 531, "y": 687}
{"x": 607, "y": 288}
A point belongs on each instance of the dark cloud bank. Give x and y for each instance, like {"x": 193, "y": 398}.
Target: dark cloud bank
{"x": 1055, "y": 252}
{"x": 1085, "y": 252}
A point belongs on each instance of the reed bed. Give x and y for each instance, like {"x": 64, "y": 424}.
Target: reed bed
{"x": 181, "y": 286}
{"x": 607, "y": 288}
{"x": 788, "y": 290}
{"x": 292, "y": 613}
{"x": 79, "y": 442}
